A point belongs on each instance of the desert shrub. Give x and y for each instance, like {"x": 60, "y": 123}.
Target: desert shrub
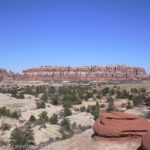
{"x": 134, "y": 91}
{"x": 43, "y": 119}
{"x": 40, "y": 104}
{"x": 105, "y": 91}
{"x": 111, "y": 92}
{"x": 88, "y": 95}
{"x": 5, "y": 126}
{"x": 109, "y": 98}
{"x": 67, "y": 111}
{"x": 20, "y": 96}
{"x": 4, "y": 111}
{"x": 29, "y": 90}
{"x": 43, "y": 116}
{"x": 130, "y": 97}
{"x": 102, "y": 105}
{"x": 2, "y": 142}
{"x": 55, "y": 100}
{"x": 51, "y": 89}
{"x": 129, "y": 106}
{"x": 148, "y": 115}
{"x": 40, "y": 89}
{"x": 65, "y": 135}
{"x": 137, "y": 100}
{"x": 94, "y": 110}
{"x": 124, "y": 93}
{"x": 118, "y": 94}
{"x": 44, "y": 97}
{"x": 32, "y": 118}
{"x": 82, "y": 109}
{"x": 66, "y": 124}
{"x": 142, "y": 90}
{"x": 147, "y": 101}
{"x": 111, "y": 106}
{"x": 15, "y": 115}
{"x": 54, "y": 119}
{"x": 21, "y": 138}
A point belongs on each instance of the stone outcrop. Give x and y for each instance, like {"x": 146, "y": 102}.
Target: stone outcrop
{"x": 4, "y": 75}
{"x": 146, "y": 142}
{"x": 93, "y": 73}
{"x": 119, "y": 124}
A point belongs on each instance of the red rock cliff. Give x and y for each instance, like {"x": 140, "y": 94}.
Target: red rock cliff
{"x": 93, "y": 73}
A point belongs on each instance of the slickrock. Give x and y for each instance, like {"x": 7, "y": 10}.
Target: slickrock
{"x": 119, "y": 124}
{"x": 84, "y": 141}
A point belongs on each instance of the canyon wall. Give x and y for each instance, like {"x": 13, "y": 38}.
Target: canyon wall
{"x": 93, "y": 73}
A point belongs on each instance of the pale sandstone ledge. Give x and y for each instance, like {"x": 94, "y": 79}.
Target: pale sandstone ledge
{"x": 84, "y": 141}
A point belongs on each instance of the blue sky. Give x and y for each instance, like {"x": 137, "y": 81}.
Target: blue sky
{"x": 74, "y": 33}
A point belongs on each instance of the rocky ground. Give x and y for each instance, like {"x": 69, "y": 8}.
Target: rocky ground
{"x": 82, "y": 137}
{"x": 84, "y": 141}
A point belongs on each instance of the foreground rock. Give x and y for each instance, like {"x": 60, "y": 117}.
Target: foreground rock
{"x": 44, "y": 134}
{"x": 17, "y": 104}
{"x": 119, "y": 124}
{"x": 84, "y": 141}
{"x": 146, "y": 141}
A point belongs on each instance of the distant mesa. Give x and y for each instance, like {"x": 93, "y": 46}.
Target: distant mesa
{"x": 86, "y": 73}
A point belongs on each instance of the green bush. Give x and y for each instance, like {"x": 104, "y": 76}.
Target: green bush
{"x": 111, "y": 106}
{"x": 40, "y": 104}
{"x": 94, "y": 110}
{"x": 43, "y": 116}
{"x": 15, "y": 115}
{"x": 82, "y": 109}
{"x": 129, "y": 106}
{"x": 148, "y": 115}
{"x": 4, "y": 111}
{"x": 54, "y": 119}
{"x": 21, "y": 138}
{"x": 105, "y": 91}
{"x": 32, "y": 118}
{"x": 147, "y": 101}
{"x": 66, "y": 124}
{"x": 5, "y": 126}
{"x": 44, "y": 97}
{"x": 67, "y": 112}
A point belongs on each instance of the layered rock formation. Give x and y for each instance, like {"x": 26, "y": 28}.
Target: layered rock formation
{"x": 119, "y": 124}
{"x": 4, "y": 75}
{"x": 93, "y": 73}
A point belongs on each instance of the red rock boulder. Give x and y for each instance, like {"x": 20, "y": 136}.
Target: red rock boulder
{"x": 119, "y": 124}
{"x": 146, "y": 141}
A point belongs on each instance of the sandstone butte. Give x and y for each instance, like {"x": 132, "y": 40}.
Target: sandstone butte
{"x": 64, "y": 73}
{"x": 120, "y": 124}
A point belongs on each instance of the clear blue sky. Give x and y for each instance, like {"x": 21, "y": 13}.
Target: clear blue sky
{"x": 74, "y": 33}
